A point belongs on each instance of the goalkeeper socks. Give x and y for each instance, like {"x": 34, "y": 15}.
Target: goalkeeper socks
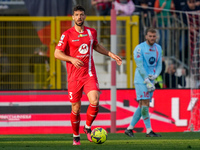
{"x": 135, "y": 119}
{"x": 92, "y": 112}
{"x": 145, "y": 116}
{"x": 75, "y": 121}
{"x": 148, "y": 130}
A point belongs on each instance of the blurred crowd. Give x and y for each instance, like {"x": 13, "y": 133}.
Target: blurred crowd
{"x": 173, "y": 74}
{"x": 177, "y": 48}
{"x": 128, "y": 7}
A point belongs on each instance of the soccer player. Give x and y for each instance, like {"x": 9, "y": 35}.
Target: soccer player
{"x": 76, "y": 47}
{"x": 148, "y": 58}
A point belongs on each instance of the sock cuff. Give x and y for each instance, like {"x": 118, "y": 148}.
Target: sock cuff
{"x": 130, "y": 127}
{"x": 91, "y": 105}
{"x": 76, "y": 114}
{"x": 87, "y": 127}
{"x": 76, "y": 135}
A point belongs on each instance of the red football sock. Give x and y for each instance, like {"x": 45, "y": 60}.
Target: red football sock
{"x": 92, "y": 112}
{"x": 75, "y": 121}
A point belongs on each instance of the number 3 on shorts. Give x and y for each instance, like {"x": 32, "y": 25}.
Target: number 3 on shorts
{"x": 70, "y": 95}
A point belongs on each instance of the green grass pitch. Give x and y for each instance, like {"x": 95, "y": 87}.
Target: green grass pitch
{"x": 119, "y": 141}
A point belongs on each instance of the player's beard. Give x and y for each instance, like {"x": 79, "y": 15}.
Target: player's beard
{"x": 151, "y": 42}
{"x": 79, "y": 24}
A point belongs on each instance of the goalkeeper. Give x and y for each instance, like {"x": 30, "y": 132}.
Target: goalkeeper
{"x": 148, "y": 58}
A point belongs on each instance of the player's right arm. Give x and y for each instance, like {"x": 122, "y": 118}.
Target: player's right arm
{"x": 139, "y": 62}
{"x": 62, "y": 56}
{"x": 60, "y": 51}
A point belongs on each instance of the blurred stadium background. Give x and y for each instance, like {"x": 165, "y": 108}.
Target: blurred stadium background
{"x": 30, "y": 31}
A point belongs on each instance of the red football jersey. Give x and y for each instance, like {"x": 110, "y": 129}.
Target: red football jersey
{"x": 79, "y": 45}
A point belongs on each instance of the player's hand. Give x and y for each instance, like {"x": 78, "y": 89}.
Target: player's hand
{"x": 77, "y": 63}
{"x": 116, "y": 58}
{"x": 152, "y": 77}
{"x": 150, "y": 86}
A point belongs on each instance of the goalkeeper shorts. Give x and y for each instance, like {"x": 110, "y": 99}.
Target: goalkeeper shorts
{"x": 142, "y": 93}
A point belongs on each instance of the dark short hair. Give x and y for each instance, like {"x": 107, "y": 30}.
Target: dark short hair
{"x": 191, "y": 1}
{"x": 152, "y": 30}
{"x": 143, "y": 1}
{"x": 78, "y": 7}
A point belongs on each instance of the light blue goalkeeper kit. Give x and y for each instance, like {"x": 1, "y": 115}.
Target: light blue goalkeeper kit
{"x": 149, "y": 65}
{"x": 148, "y": 60}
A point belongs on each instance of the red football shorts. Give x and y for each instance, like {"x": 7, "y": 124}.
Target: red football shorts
{"x": 76, "y": 88}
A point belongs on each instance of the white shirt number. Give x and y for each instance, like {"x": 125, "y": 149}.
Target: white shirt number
{"x": 70, "y": 95}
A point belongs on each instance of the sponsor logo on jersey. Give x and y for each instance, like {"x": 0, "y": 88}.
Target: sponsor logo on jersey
{"x": 151, "y": 50}
{"x": 75, "y": 40}
{"x": 82, "y": 35}
{"x": 81, "y": 56}
{"x": 152, "y": 60}
{"x": 62, "y": 37}
{"x": 83, "y": 49}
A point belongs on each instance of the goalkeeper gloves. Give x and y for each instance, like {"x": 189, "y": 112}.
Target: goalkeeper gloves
{"x": 150, "y": 86}
{"x": 152, "y": 77}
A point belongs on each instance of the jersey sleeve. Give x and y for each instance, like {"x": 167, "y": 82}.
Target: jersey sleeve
{"x": 63, "y": 42}
{"x": 95, "y": 38}
{"x": 159, "y": 67}
{"x": 139, "y": 59}
{"x": 159, "y": 63}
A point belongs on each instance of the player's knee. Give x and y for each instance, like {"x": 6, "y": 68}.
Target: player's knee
{"x": 143, "y": 103}
{"x": 94, "y": 102}
{"x": 93, "y": 97}
{"x": 76, "y": 107}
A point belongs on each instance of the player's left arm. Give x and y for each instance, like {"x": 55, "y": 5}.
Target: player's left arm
{"x": 158, "y": 67}
{"x": 159, "y": 62}
{"x": 100, "y": 49}
{"x": 158, "y": 70}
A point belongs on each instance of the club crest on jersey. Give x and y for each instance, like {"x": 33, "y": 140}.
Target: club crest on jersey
{"x": 83, "y": 49}
{"x": 82, "y": 35}
{"x": 152, "y": 60}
